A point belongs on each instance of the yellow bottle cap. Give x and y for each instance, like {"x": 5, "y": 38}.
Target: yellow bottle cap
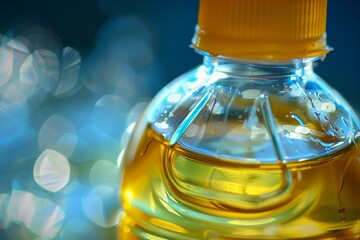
{"x": 262, "y": 29}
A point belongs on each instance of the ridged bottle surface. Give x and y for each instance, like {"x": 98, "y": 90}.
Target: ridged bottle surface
{"x": 262, "y": 29}
{"x": 244, "y": 151}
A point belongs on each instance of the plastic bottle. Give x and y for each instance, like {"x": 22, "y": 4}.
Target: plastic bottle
{"x": 252, "y": 144}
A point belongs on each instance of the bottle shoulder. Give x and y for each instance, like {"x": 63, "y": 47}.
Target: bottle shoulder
{"x": 253, "y": 119}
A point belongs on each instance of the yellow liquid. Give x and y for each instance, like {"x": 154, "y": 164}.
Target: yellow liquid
{"x": 172, "y": 193}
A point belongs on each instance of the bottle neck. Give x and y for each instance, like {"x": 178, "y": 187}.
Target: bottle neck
{"x": 259, "y": 69}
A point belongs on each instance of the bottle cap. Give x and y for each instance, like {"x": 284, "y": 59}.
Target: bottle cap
{"x": 262, "y": 29}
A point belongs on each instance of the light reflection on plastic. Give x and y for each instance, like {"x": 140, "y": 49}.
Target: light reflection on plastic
{"x": 161, "y": 125}
{"x": 174, "y": 98}
{"x": 192, "y": 131}
{"x": 126, "y": 135}
{"x": 251, "y": 93}
{"x": 120, "y": 159}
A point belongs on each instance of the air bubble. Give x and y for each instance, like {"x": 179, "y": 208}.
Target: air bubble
{"x": 328, "y": 107}
{"x": 51, "y": 170}
{"x": 251, "y": 93}
{"x": 161, "y": 125}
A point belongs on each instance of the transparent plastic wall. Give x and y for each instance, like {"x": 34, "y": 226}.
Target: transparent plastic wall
{"x": 66, "y": 116}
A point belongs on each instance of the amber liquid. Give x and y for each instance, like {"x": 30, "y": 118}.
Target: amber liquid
{"x": 173, "y": 193}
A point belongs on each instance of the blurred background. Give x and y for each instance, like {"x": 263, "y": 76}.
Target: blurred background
{"x": 74, "y": 78}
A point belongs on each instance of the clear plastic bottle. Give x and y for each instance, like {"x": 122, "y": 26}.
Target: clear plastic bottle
{"x": 252, "y": 144}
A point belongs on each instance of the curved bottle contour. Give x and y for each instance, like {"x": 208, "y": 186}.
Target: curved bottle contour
{"x": 263, "y": 114}
{"x": 236, "y": 150}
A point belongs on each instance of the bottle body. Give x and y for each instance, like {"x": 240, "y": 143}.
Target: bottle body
{"x": 233, "y": 150}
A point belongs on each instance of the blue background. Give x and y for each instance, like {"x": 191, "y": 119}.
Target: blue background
{"x": 169, "y": 27}
{"x": 172, "y": 23}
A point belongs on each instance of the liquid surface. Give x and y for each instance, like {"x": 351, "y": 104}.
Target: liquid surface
{"x": 173, "y": 193}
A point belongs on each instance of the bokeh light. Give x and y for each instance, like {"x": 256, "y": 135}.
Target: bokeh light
{"x": 58, "y": 133}
{"x": 51, "y": 170}
{"x": 65, "y": 121}
{"x": 101, "y": 206}
{"x": 41, "y": 216}
{"x": 77, "y": 228}
{"x": 70, "y": 70}
{"x": 4, "y": 218}
{"x": 104, "y": 173}
{"x": 66, "y": 114}
{"x": 14, "y": 114}
{"x": 6, "y": 64}
{"x": 109, "y": 114}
